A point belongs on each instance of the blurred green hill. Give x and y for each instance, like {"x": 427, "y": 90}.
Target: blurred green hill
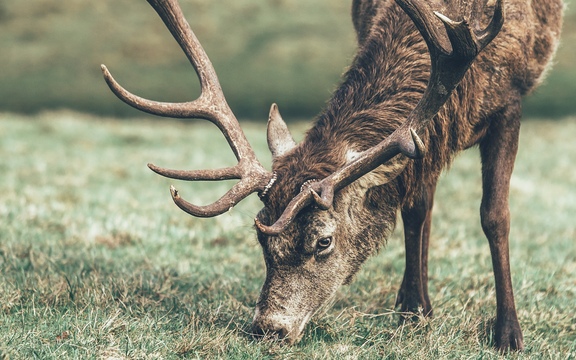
{"x": 287, "y": 51}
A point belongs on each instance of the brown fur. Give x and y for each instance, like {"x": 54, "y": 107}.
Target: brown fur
{"x": 384, "y": 83}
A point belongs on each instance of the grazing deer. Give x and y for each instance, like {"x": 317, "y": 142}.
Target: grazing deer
{"x": 424, "y": 86}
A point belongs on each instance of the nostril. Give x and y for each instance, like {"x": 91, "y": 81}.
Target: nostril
{"x": 269, "y": 331}
{"x": 282, "y": 333}
{"x": 257, "y": 331}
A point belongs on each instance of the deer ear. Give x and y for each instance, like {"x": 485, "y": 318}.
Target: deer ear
{"x": 280, "y": 140}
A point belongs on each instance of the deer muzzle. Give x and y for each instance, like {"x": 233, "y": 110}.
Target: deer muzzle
{"x": 274, "y": 325}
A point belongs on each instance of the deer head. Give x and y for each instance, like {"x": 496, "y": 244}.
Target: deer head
{"x": 310, "y": 239}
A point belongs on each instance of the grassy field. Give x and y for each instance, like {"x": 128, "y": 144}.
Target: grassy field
{"x": 97, "y": 262}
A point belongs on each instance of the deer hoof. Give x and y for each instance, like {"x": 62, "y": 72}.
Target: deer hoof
{"x": 508, "y": 336}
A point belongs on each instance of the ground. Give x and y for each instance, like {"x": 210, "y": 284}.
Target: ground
{"x": 97, "y": 262}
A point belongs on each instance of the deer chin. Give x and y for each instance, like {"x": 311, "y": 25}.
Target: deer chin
{"x": 300, "y": 330}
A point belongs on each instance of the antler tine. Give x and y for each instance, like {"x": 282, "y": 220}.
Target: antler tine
{"x": 238, "y": 192}
{"x": 299, "y": 202}
{"x": 211, "y": 105}
{"x": 195, "y": 175}
{"x": 171, "y": 14}
{"x": 247, "y": 185}
{"x": 450, "y": 61}
{"x": 487, "y": 35}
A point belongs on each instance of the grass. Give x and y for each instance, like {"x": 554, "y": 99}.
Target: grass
{"x": 96, "y": 261}
{"x": 287, "y": 51}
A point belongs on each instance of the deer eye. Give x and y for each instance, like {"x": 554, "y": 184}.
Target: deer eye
{"x": 324, "y": 243}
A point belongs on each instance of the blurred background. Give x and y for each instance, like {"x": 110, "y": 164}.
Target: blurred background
{"x": 288, "y": 51}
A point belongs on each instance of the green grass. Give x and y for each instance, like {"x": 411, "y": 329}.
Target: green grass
{"x": 287, "y": 51}
{"x": 96, "y": 261}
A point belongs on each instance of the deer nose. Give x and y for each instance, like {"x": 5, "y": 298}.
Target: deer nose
{"x": 267, "y": 329}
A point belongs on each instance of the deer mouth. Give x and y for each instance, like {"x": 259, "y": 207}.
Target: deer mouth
{"x": 278, "y": 327}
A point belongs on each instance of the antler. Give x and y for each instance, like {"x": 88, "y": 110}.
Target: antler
{"x": 450, "y": 61}
{"x": 211, "y": 106}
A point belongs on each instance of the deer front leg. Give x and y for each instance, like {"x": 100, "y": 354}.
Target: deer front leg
{"x": 413, "y": 294}
{"x": 498, "y": 151}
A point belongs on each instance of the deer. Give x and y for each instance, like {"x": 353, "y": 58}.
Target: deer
{"x": 430, "y": 79}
